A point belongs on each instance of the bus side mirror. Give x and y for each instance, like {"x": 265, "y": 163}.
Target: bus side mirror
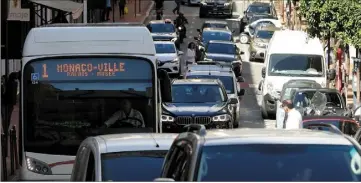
{"x": 165, "y": 85}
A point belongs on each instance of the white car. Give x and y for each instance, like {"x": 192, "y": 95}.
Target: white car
{"x": 250, "y": 29}
{"x": 168, "y": 57}
{"x": 121, "y": 157}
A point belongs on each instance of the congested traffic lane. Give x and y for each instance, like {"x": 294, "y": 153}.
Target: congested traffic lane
{"x": 250, "y": 110}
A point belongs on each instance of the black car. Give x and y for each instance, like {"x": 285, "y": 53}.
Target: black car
{"x": 257, "y": 8}
{"x": 209, "y": 34}
{"x": 226, "y": 53}
{"x": 335, "y": 102}
{"x": 216, "y": 7}
{"x": 198, "y": 101}
{"x": 346, "y": 125}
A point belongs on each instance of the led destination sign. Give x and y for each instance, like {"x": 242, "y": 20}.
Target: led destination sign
{"x": 91, "y": 68}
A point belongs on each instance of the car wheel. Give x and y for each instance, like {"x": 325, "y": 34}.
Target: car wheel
{"x": 244, "y": 39}
{"x": 264, "y": 111}
{"x": 235, "y": 123}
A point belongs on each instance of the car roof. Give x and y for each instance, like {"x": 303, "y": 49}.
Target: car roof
{"x": 222, "y": 41}
{"x": 329, "y": 90}
{"x": 196, "y": 81}
{"x": 215, "y": 22}
{"x": 273, "y": 136}
{"x": 267, "y": 27}
{"x": 133, "y": 142}
{"x": 295, "y": 83}
{"x": 216, "y": 29}
{"x": 210, "y": 73}
{"x": 163, "y": 42}
{"x": 158, "y": 22}
{"x": 260, "y": 4}
{"x": 194, "y": 68}
{"x": 310, "y": 118}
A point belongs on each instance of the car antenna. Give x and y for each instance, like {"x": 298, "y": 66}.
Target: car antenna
{"x": 156, "y": 143}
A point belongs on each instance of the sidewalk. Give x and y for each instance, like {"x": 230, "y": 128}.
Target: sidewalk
{"x": 134, "y": 15}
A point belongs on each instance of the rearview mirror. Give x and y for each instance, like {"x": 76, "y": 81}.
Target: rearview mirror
{"x": 233, "y": 101}
{"x": 163, "y": 180}
{"x": 165, "y": 85}
{"x": 241, "y": 92}
{"x": 331, "y": 74}
{"x": 198, "y": 30}
{"x": 180, "y": 53}
{"x": 263, "y": 72}
{"x": 240, "y": 79}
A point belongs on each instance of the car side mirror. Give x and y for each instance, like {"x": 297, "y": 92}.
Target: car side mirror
{"x": 241, "y": 92}
{"x": 195, "y": 38}
{"x": 263, "y": 72}
{"x": 233, "y": 101}
{"x": 240, "y": 79}
{"x": 331, "y": 74}
{"x": 180, "y": 53}
{"x": 165, "y": 85}
{"x": 163, "y": 180}
{"x": 244, "y": 12}
{"x": 199, "y": 30}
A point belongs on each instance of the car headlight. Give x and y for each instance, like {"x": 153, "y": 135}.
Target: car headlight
{"x": 227, "y": 4}
{"x": 179, "y": 28}
{"x": 166, "y": 118}
{"x": 37, "y": 166}
{"x": 175, "y": 60}
{"x": 223, "y": 117}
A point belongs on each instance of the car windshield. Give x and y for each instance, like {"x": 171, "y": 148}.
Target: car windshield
{"x": 218, "y": 36}
{"x": 142, "y": 166}
{"x": 215, "y": 25}
{"x": 259, "y": 9}
{"x": 221, "y": 48}
{"x": 226, "y": 80}
{"x": 165, "y": 48}
{"x": 279, "y": 162}
{"x": 295, "y": 65}
{"x": 288, "y": 93}
{"x": 264, "y": 34}
{"x": 197, "y": 93}
{"x": 346, "y": 126}
{"x": 303, "y": 99}
{"x": 161, "y": 28}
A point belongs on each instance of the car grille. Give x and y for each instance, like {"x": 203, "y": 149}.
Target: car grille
{"x": 187, "y": 120}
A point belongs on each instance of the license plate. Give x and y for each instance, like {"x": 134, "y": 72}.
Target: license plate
{"x": 214, "y": 9}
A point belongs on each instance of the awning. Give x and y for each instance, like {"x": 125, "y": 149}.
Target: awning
{"x": 76, "y": 9}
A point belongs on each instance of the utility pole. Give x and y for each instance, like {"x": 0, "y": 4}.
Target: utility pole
{"x": 1, "y": 124}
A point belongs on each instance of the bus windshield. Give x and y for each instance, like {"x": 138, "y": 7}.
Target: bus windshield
{"x": 69, "y": 99}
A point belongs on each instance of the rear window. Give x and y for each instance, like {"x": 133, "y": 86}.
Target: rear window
{"x": 227, "y": 81}
{"x": 215, "y": 25}
{"x": 303, "y": 99}
{"x": 165, "y": 48}
{"x": 141, "y": 166}
{"x": 346, "y": 126}
{"x": 279, "y": 162}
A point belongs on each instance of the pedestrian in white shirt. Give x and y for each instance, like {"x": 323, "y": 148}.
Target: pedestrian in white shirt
{"x": 191, "y": 53}
{"x": 293, "y": 118}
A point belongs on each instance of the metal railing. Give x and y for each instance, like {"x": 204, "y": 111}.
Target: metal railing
{"x": 11, "y": 148}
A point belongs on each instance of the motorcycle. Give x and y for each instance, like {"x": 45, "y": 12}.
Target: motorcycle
{"x": 317, "y": 106}
{"x": 182, "y": 33}
{"x": 159, "y": 14}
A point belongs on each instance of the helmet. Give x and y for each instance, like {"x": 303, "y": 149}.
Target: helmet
{"x": 168, "y": 21}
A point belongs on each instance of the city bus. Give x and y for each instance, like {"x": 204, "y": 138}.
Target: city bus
{"x": 74, "y": 77}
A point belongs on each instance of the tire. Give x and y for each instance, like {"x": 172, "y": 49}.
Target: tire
{"x": 263, "y": 111}
{"x": 235, "y": 123}
{"x": 182, "y": 3}
{"x": 201, "y": 14}
{"x": 244, "y": 39}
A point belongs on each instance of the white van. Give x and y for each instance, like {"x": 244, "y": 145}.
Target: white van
{"x": 291, "y": 55}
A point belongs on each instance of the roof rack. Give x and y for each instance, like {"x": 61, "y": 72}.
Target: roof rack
{"x": 333, "y": 127}
{"x": 194, "y": 128}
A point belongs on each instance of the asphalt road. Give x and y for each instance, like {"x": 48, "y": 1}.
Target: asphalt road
{"x": 250, "y": 110}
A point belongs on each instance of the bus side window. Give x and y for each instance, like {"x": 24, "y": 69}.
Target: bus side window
{"x": 90, "y": 172}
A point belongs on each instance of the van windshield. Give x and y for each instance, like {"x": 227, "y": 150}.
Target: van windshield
{"x": 296, "y": 65}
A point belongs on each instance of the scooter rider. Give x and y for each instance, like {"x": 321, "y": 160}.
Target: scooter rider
{"x": 181, "y": 20}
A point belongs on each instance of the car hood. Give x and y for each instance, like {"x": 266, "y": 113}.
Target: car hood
{"x": 259, "y": 40}
{"x": 221, "y": 57}
{"x": 165, "y": 57}
{"x": 164, "y": 35}
{"x": 193, "y": 108}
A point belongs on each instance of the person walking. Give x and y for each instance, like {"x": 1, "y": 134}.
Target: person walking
{"x": 191, "y": 53}
{"x": 177, "y": 8}
{"x": 293, "y": 118}
{"x": 122, "y": 4}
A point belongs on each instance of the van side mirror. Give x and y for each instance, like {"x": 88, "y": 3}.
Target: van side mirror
{"x": 163, "y": 180}
{"x": 263, "y": 72}
{"x": 199, "y": 30}
{"x": 165, "y": 85}
{"x": 244, "y": 12}
{"x": 195, "y": 38}
{"x": 331, "y": 74}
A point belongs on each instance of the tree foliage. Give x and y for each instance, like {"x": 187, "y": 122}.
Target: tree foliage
{"x": 338, "y": 18}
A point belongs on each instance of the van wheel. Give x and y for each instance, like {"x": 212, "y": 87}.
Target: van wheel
{"x": 264, "y": 111}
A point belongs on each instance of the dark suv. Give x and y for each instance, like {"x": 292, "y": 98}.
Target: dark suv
{"x": 256, "y": 9}
{"x": 216, "y": 7}
{"x": 198, "y": 101}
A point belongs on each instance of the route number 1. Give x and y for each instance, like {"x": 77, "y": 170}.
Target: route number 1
{"x": 45, "y": 72}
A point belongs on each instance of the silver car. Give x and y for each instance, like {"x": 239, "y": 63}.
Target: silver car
{"x": 168, "y": 57}
{"x": 122, "y": 157}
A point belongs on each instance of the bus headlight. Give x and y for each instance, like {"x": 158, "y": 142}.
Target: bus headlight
{"x": 166, "y": 118}
{"x": 223, "y": 117}
{"x": 37, "y": 166}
